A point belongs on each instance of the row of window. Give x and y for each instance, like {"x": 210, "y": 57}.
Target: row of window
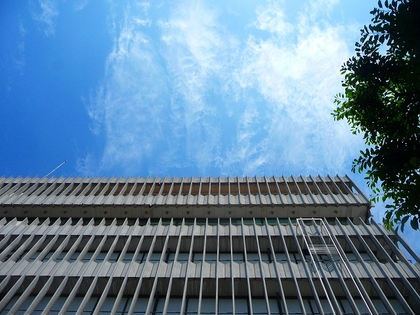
{"x": 208, "y": 306}
{"x": 210, "y": 257}
{"x": 102, "y": 247}
{"x": 192, "y": 221}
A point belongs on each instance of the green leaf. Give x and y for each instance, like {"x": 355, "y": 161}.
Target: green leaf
{"x": 414, "y": 224}
{"x": 403, "y": 221}
{"x": 381, "y": 39}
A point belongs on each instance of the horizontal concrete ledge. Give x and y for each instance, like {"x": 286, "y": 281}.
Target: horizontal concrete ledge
{"x": 185, "y": 211}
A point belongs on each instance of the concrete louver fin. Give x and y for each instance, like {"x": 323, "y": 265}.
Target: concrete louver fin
{"x": 291, "y": 194}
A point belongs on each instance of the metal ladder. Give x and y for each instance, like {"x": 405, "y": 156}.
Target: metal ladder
{"x": 323, "y": 251}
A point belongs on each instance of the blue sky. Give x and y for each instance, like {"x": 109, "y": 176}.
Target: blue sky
{"x": 176, "y": 88}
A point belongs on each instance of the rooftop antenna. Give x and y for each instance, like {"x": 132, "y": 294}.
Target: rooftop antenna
{"x": 65, "y": 161}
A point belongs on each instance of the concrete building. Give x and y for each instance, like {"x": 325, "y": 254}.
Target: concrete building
{"x": 278, "y": 245}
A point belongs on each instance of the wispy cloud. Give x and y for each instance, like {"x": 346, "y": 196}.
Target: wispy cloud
{"x": 79, "y": 5}
{"x": 197, "y": 59}
{"x": 46, "y": 14}
{"x": 96, "y": 110}
{"x": 128, "y": 106}
{"x": 19, "y": 56}
{"x": 183, "y": 92}
{"x": 295, "y": 71}
{"x": 271, "y": 18}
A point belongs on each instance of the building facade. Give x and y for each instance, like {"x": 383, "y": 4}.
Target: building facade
{"x": 262, "y": 245}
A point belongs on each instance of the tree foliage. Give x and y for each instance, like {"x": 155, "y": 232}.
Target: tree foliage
{"x": 381, "y": 100}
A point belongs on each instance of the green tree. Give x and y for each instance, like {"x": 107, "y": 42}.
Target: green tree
{"x": 381, "y": 100}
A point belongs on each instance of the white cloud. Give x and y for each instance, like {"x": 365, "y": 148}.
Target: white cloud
{"x": 197, "y": 96}
{"x": 297, "y": 75}
{"x": 129, "y": 105}
{"x": 79, "y": 5}
{"x": 95, "y": 109}
{"x": 87, "y": 165}
{"x": 134, "y": 100}
{"x": 318, "y": 10}
{"x": 19, "y": 56}
{"x": 46, "y": 15}
{"x": 271, "y": 18}
{"x": 195, "y": 43}
{"x": 197, "y": 54}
